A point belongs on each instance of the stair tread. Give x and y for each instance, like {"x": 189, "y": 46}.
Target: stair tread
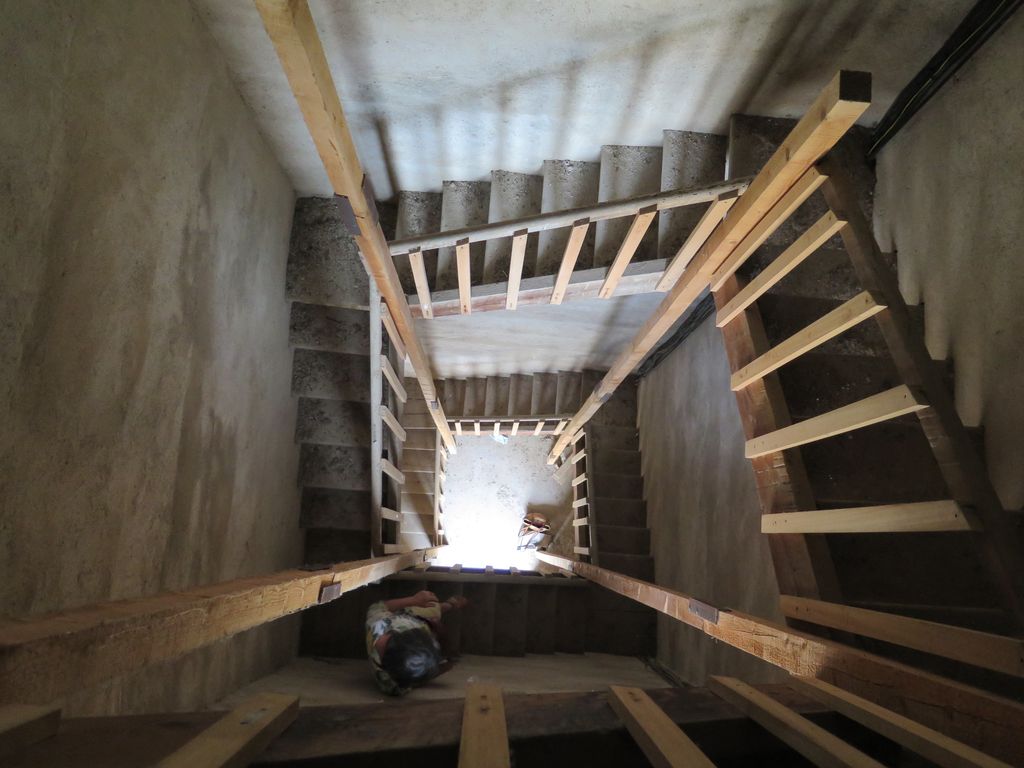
{"x": 323, "y": 259}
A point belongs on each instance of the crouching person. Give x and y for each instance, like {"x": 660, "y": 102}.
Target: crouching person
{"x": 405, "y": 640}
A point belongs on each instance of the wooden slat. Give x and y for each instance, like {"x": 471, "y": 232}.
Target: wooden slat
{"x": 497, "y": 428}
{"x": 838, "y": 106}
{"x": 660, "y": 739}
{"x": 580, "y": 503}
{"x": 579, "y": 521}
{"x": 539, "y": 428}
{"x": 484, "y": 742}
{"x": 392, "y": 331}
{"x": 515, "y": 427}
{"x": 419, "y": 276}
{"x": 984, "y": 720}
{"x": 392, "y": 471}
{"x": 890, "y": 404}
{"x": 982, "y": 649}
{"x": 579, "y": 480}
{"x": 292, "y": 30}
{"x": 841, "y": 319}
{"x": 390, "y": 514}
{"x": 476, "y": 427}
{"x": 463, "y": 268}
{"x": 240, "y": 736}
{"x": 698, "y": 236}
{"x": 393, "y": 379}
{"x": 51, "y": 656}
{"x": 515, "y": 269}
{"x": 888, "y": 518}
{"x": 24, "y": 724}
{"x": 808, "y": 243}
{"x": 929, "y": 743}
{"x": 581, "y": 550}
{"x": 810, "y": 740}
{"x": 637, "y": 229}
{"x": 577, "y": 456}
{"x": 561, "y": 426}
{"x": 569, "y": 257}
{"x": 458, "y": 428}
{"x": 397, "y": 549}
{"x": 389, "y": 418}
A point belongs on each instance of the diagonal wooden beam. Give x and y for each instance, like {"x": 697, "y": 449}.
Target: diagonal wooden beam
{"x": 419, "y": 277}
{"x": 569, "y": 257}
{"x": 637, "y": 229}
{"x": 515, "y": 268}
{"x": 838, "y": 106}
{"x": 712, "y": 218}
{"x": 290, "y": 26}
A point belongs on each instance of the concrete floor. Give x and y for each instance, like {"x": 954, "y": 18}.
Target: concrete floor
{"x": 488, "y": 488}
{"x": 144, "y": 364}
{"x": 348, "y": 681}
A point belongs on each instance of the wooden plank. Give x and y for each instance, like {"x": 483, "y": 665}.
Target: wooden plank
{"x": 808, "y": 243}
{"x": 986, "y": 721}
{"x": 458, "y": 428}
{"x": 579, "y": 503}
{"x": 888, "y": 518}
{"x": 24, "y": 724}
{"x": 581, "y": 550}
{"x": 581, "y": 521}
{"x": 698, "y": 236}
{"x": 397, "y": 549}
{"x": 577, "y": 456}
{"x": 579, "y": 480}
{"x": 497, "y": 428}
{"x": 463, "y": 268}
{"x": 660, "y": 739}
{"x": 804, "y": 187}
{"x": 539, "y": 428}
{"x": 240, "y": 736}
{"x": 393, "y": 379}
{"x": 392, "y": 331}
{"x": 390, "y": 514}
{"x": 627, "y": 249}
{"x": 292, "y": 30}
{"x": 561, "y": 426}
{"x": 476, "y": 427}
{"x": 982, "y": 649}
{"x": 515, "y": 269}
{"x": 841, "y": 319}
{"x": 884, "y": 406}
{"x": 51, "y": 656}
{"x": 810, "y": 740}
{"x": 569, "y": 257}
{"x": 838, "y": 106}
{"x": 927, "y": 742}
{"x": 463, "y": 577}
{"x": 392, "y": 471}
{"x": 515, "y": 427}
{"x": 419, "y": 276}
{"x": 484, "y": 742}
{"x": 389, "y": 418}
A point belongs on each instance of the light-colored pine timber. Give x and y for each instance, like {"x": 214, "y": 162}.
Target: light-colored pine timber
{"x": 392, "y": 471}
{"x": 627, "y": 249}
{"x": 392, "y": 331}
{"x": 916, "y": 517}
{"x": 569, "y": 257}
{"x": 581, "y": 521}
{"x": 698, "y": 236}
{"x": 463, "y": 269}
{"x": 515, "y": 269}
{"x": 389, "y": 418}
{"x": 419, "y": 277}
{"x": 484, "y": 741}
{"x": 660, "y": 739}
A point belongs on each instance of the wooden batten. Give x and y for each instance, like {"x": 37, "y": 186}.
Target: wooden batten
{"x": 660, "y": 739}
{"x": 391, "y": 514}
{"x": 569, "y": 257}
{"x": 393, "y": 379}
{"x": 484, "y": 741}
{"x": 637, "y": 229}
{"x": 515, "y": 428}
{"x": 712, "y": 218}
{"x": 580, "y": 521}
{"x": 392, "y": 331}
{"x": 884, "y": 406}
{"x": 916, "y": 517}
{"x": 463, "y": 268}
{"x": 389, "y": 418}
{"x": 392, "y": 471}
{"x": 515, "y": 269}
{"x": 539, "y": 428}
{"x": 419, "y": 277}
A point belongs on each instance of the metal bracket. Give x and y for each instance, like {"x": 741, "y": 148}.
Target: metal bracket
{"x": 707, "y": 612}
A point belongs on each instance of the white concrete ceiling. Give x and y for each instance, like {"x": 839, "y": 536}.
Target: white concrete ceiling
{"x": 453, "y": 89}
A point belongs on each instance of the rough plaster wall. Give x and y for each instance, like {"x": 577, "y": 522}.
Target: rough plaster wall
{"x": 950, "y": 201}
{"x": 144, "y": 368}
{"x": 702, "y": 505}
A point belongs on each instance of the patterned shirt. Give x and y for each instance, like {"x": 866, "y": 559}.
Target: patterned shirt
{"x": 380, "y": 621}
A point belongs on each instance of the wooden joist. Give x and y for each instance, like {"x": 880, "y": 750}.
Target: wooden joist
{"x": 292, "y": 30}
{"x": 698, "y": 236}
{"x": 810, "y": 241}
{"x": 838, "y": 106}
{"x": 637, "y": 229}
{"x": 484, "y": 742}
{"x": 810, "y": 740}
{"x": 569, "y": 257}
{"x": 927, "y": 742}
{"x": 44, "y": 658}
{"x": 884, "y": 406}
{"x": 660, "y": 739}
{"x": 982, "y": 649}
{"x": 24, "y": 724}
{"x": 515, "y": 268}
{"x": 462, "y": 266}
{"x": 419, "y": 277}
{"x": 240, "y": 736}
{"x": 984, "y": 720}
{"x": 389, "y": 418}
{"x": 841, "y": 319}
{"x": 916, "y": 517}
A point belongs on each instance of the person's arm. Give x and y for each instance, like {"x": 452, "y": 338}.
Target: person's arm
{"x": 454, "y": 603}
{"x": 422, "y": 599}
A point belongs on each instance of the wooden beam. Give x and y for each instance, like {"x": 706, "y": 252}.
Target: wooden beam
{"x": 810, "y": 740}
{"x": 539, "y": 428}
{"x": 44, "y": 658}
{"x": 393, "y": 379}
{"x": 569, "y": 257}
{"x": 419, "y": 277}
{"x": 484, "y": 742}
{"x": 389, "y": 418}
{"x": 986, "y": 721}
{"x": 839, "y": 320}
{"x": 392, "y": 331}
{"x": 698, "y": 236}
{"x": 982, "y": 649}
{"x": 240, "y": 736}
{"x": 839, "y": 105}
{"x": 581, "y": 550}
{"x": 22, "y": 725}
{"x": 291, "y": 29}
{"x": 884, "y": 406}
{"x": 515, "y": 268}
{"x": 497, "y": 428}
{"x": 661, "y": 740}
{"x": 927, "y": 742}
{"x": 579, "y": 480}
{"x": 637, "y": 229}
{"x": 462, "y": 266}
{"x": 390, "y": 514}
{"x": 579, "y": 521}
{"x": 810, "y": 241}
{"x": 392, "y": 471}
{"x": 915, "y": 517}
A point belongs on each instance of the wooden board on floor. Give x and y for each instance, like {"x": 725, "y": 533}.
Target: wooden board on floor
{"x": 484, "y": 742}
{"x": 661, "y": 740}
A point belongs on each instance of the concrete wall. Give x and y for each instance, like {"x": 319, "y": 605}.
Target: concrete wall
{"x": 702, "y": 505}
{"x": 144, "y": 368}
{"x": 950, "y": 201}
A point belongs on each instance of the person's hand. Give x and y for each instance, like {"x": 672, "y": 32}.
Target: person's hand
{"x": 457, "y": 601}
{"x": 424, "y": 599}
